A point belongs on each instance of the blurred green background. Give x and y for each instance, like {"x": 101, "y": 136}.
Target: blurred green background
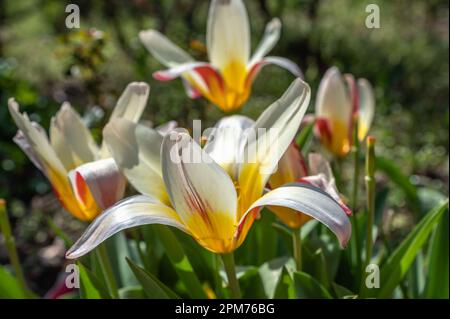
{"x": 42, "y": 64}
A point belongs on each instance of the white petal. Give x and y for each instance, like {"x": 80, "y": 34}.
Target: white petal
{"x": 273, "y": 133}
{"x": 131, "y": 212}
{"x": 164, "y": 50}
{"x": 333, "y": 100}
{"x": 136, "y": 150}
{"x": 269, "y": 40}
{"x": 68, "y": 133}
{"x": 228, "y": 33}
{"x": 285, "y": 64}
{"x": 33, "y": 140}
{"x": 166, "y": 128}
{"x": 310, "y": 201}
{"x": 366, "y": 107}
{"x": 132, "y": 102}
{"x": 226, "y": 141}
{"x": 106, "y": 183}
{"x": 200, "y": 190}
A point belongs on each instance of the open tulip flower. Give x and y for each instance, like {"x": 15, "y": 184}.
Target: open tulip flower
{"x": 213, "y": 193}
{"x": 226, "y": 81}
{"x": 83, "y": 175}
{"x": 340, "y": 100}
{"x": 292, "y": 168}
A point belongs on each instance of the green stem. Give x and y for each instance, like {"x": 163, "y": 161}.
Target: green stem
{"x": 297, "y": 247}
{"x": 230, "y": 269}
{"x": 370, "y": 191}
{"x": 354, "y": 202}
{"x": 107, "y": 271}
{"x": 10, "y": 243}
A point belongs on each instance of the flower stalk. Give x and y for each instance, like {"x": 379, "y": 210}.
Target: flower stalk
{"x": 10, "y": 243}
{"x": 370, "y": 191}
{"x": 297, "y": 247}
{"x": 354, "y": 202}
{"x": 230, "y": 269}
{"x": 107, "y": 271}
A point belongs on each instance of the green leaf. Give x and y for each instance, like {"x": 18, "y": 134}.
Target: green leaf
{"x": 304, "y": 137}
{"x": 401, "y": 180}
{"x": 438, "y": 270}
{"x": 9, "y": 286}
{"x": 153, "y": 288}
{"x": 271, "y": 271}
{"x": 342, "y": 292}
{"x": 306, "y": 287}
{"x": 90, "y": 286}
{"x": 251, "y": 283}
{"x": 60, "y": 233}
{"x": 180, "y": 262}
{"x": 401, "y": 259}
{"x": 285, "y": 286}
{"x": 134, "y": 292}
{"x": 118, "y": 250}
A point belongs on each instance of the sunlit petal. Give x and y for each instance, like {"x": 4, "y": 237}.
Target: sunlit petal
{"x": 136, "y": 150}
{"x": 201, "y": 192}
{"x": 366, "y": 107}
{"x": 273, "y": 132}
{"x": 228, "y": 34}
{"x": 71, "y": 139}
{"x": 291, "y": 167}
{"x": 226, "y": 141}
{"x": 104, "y": 180}
{"x": 132, "y": 102}
{"x": 334, "y": 107}
{"x": 131, "y": 212}
{"x": 310, "y": 201}
{"x": 164, "y": 50}
{"x": 269, "y": 40}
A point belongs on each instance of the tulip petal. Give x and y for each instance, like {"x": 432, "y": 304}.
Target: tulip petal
{"x": 71, "y": 139}
{"x": 226, "y": 141}
{"x": 166, "y": 128}
{"x": 276, "y": 128}
{"x": 334, "y": 106}
{"x": 321, "y": 176}
{"x": 132, "y": 102}
{"x": 269, "y": 40}
{"x": 307, "y": 200}
{"x": 164, "y": 50}
{"x": 228, "y": 34}
{"x": 104, "y": 180}
{"x": 201, "y": 192}
{"x": 34, "y": 142}
{"x": 291, "y": 167}
{"x": 366, "y": 109}
{"x": 136, "y": 150}
{"x": 133, "y": 211}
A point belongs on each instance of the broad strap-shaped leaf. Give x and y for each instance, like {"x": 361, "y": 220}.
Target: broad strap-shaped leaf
{"x": 395, "y": 268}
{"x": 181, "y": 263}
{"x": 438, "y": 270}
{"x": 153, "y": 288}
{"x": 306, "y": 287}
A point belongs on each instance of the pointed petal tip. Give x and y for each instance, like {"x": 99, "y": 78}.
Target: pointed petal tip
{"x": 141, "y": 88}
